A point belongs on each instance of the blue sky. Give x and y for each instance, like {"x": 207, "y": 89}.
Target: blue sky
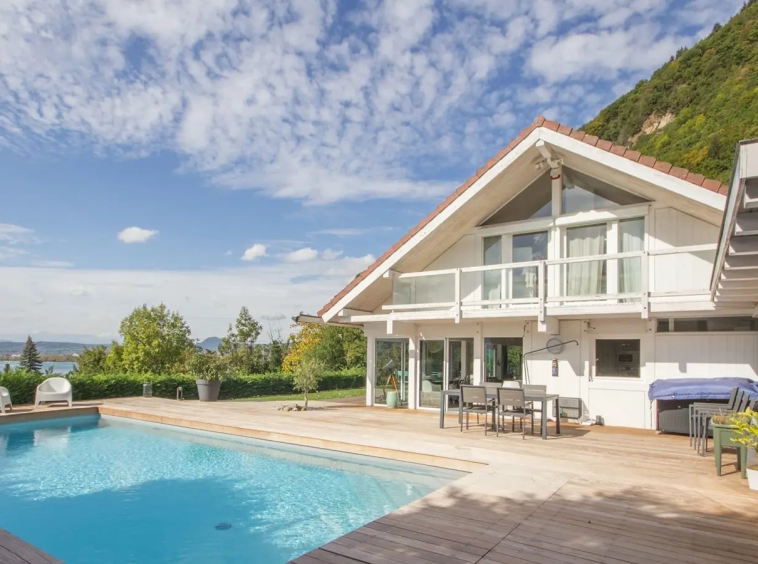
{"x": 218, "y": 153}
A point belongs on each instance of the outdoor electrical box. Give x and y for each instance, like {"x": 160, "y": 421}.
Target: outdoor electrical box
{"x": 555, "y": 367}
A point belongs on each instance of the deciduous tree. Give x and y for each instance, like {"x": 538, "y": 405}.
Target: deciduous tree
{"x": 154, "y": 339}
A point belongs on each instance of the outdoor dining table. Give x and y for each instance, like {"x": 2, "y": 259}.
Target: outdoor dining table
{"x": 537, "y": 397}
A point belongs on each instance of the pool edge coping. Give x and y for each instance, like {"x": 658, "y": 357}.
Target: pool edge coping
{"x": 448, "y": 463}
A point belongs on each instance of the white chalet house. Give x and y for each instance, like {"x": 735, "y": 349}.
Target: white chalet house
{"x": 562, "y": 237}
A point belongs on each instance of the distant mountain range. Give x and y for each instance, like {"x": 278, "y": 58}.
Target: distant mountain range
{"x": 43, "y": 347}
{"x": 51, "y": 347}
{"x": 211, "y": 343}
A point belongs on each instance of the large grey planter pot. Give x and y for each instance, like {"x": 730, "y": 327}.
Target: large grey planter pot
{"x": 207, "y": 390}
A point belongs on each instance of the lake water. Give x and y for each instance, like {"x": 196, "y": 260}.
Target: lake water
{"x": 58, "y": 367}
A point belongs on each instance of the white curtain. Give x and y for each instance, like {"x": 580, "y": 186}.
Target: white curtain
{"x": 586, "y": 278}
{"x": 631, "y": 239}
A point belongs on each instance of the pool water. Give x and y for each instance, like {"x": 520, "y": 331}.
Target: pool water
{"x": 106, "y": 490}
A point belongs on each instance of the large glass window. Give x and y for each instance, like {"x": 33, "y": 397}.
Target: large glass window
{"x": 391, "y": 370}
{"x": 631, "y": 239}
{"x": 582, "y": 192}
{"x": 617, "y": 357}
{"x": 492, "y": 280}
{"x": 431, "y": 378}
{"x": 533, "y": 202}
{"x": 586, "y": 278}
{"x": 528, "y": 247}
{"x": 502, "y": 359}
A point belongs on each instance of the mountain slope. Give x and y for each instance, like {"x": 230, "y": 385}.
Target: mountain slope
{"x": 694, "y": 109}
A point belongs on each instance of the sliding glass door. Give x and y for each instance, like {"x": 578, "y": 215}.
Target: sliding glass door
{"x": 586, "y": 278}
{"x": 502, "y": 359}
{"x": 528, "y": 247}
{"x": 432, "y": 373}
{"x": 391, "y": 370}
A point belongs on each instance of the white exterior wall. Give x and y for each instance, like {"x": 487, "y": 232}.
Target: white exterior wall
{"x": 466, "y": 252}
{"x": 620, "y": 401}
{"x": 669, "y": 228}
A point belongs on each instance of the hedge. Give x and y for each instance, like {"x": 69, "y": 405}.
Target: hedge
{"x": 22, "y": 385}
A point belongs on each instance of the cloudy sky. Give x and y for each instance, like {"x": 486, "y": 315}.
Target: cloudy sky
{"x": 218, "y": 153}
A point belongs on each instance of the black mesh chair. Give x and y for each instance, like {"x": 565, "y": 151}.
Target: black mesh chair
{"x": 474, "y": 400}
{"x": 512, "y": 403}
{"x": 696, "y": 408}
{"x": 538, "y": 389}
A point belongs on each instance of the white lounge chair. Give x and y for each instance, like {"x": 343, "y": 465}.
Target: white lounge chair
{"x": 54, "y": 389}
{"x": 5, "y": 399}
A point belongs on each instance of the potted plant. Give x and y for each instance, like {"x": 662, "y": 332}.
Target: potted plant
{"x": 746, "y": 434}
{"x": 208, "y": 368}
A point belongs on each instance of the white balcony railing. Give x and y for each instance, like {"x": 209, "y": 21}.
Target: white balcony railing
{"x": 619, "y": 279}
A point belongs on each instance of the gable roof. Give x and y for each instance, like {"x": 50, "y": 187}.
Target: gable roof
{"x": 620, "y": 150}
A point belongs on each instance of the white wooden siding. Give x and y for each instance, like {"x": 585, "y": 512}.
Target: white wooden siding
{"x": 685, "y": 272}
{"x": 464, "y": 253}
{"x": 706, "y": 355}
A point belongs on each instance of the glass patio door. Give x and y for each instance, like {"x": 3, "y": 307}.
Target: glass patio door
{"x": 431, "y": 374}
{"x": 391, "y": 370}
{"x": 460, "y": 366}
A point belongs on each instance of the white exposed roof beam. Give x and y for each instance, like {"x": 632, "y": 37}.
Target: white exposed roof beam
{"x": 746, "y": 224}
{"x": 745, "y": 245}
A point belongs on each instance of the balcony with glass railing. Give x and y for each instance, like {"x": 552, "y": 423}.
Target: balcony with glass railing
{"x": 527, "y": 288}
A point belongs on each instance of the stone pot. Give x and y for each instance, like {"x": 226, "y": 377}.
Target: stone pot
{"x": 207, "y": 390}
{"x": 752, "y": 478}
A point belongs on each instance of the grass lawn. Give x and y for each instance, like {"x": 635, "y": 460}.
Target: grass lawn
{"x": 325, "y": 395}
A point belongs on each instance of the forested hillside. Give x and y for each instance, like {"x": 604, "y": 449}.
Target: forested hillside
{"x": 695, "y": 108}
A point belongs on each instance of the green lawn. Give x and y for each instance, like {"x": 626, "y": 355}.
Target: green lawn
{"x": 325, "y": 395}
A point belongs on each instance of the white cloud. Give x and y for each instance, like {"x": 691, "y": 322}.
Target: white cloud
{"x": 299, "y": 100}
{"x": 228, "y": 253}
{"x": 351, "y": 231}
{"x": 330, "y": 254}
{"x": 52, "y": 263}
{"x": 301, "y": 255}
{"x": 15, "y": 234}
{"x": 209, "y": 299}
{"x": 254, "y": 252}
{"x": 136, "y": 235}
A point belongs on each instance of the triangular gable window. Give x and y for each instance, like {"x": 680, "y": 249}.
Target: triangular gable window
{"x": 580, "y": 193}
{"x": 585, "y": 193}
{"x": 532, "y": 202}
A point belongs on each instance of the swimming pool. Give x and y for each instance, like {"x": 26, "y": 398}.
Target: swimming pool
{"x": 106, "y": 490}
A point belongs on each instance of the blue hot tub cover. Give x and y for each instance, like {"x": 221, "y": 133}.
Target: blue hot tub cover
{"x": 699, "y": 388}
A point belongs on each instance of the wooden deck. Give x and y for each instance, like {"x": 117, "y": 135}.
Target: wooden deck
{"x": 15, "y": 551}
{"x": 592, "y": 495}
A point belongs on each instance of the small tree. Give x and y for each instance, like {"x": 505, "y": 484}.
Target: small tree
{"x": 239, "y": 343}
{"x": 30, "y": 361}
{"x": 93, "y": 360}
{"x": 307, "y": 377}
{"x": 208, "y": 365}
{"x": 154, "y": 340}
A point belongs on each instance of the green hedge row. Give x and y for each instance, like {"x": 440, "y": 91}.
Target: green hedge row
{"x": 22, "y": 385}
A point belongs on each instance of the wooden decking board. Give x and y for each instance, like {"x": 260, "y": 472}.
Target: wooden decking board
{"x": 435, "y": 548}
{"x": 13, "y": 550}
{"x": 458, "y": 547}
{"x": 616, "y": 541}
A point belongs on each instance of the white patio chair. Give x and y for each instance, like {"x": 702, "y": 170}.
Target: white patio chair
{"x": 5, "y": 399}
{"x": 54, "y": 389}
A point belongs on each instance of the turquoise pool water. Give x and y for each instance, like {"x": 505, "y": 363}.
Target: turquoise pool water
{"x": 109, "y": 490}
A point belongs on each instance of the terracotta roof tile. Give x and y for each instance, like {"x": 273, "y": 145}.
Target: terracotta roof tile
{"x": 539, "y": 121}
{"x": 647, "y": 161}
{"x": 679, "y": 172}
{"x": 578, "y": 134}
{"x": 695, "y": 178}
{"x": 590, "y": 140}
{"x": 604, "y": 144}
{"x": 662, "y": 166}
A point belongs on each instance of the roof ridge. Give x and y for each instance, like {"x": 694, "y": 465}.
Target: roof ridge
{"x": 624, "y": 151}
{"x": 539, "y": 121}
